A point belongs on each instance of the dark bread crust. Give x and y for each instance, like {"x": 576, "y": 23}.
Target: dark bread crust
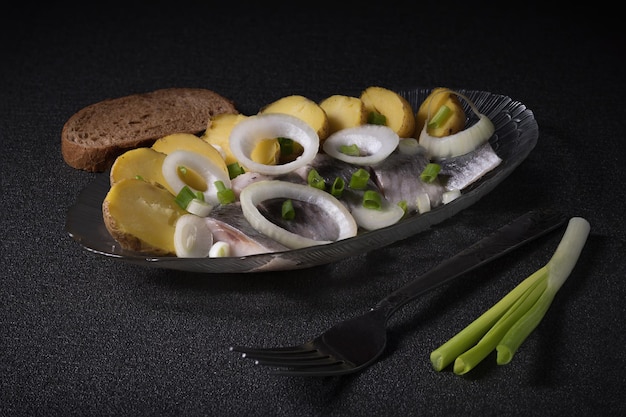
{"x": 94, "y": 136}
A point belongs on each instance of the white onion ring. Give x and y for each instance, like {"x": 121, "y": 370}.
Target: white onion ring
{"x": 260, "y": 191}
{"x": 192, "y": 237}
{"x": 377, "y": 142}
{"x": 372, "y": 219}
{"x": 461, "y": 142}
{"x": 202, "y": 165}
{"x": 246, "y": 134}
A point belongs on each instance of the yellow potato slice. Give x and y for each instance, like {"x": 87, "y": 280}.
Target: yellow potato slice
{"x": 141, "y": 216}
{"x": 303, "y": 108}
{"x": 344, "y": 112}
{"x": 439, "y": 97}
{"x": 189, "y": 142}
{"x": 142, "y": 163}
{"x": 218, "y": 131}
{"x": 396, "y": 109}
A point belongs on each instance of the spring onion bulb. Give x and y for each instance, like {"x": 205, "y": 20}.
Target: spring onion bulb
{"x": 199, "y": 207}
{"x": 248, "y": 133}
{"x": 374, "y": 141}
{"x": 192, "y": 237}
{"x": 372, "y": 219}
{"x": 506, "y": 325}
{"x": 220, "y": 249}
{"x": 461, "y": 142}
{"x": 255, "y": 193}
{"x": 202, "y": 165}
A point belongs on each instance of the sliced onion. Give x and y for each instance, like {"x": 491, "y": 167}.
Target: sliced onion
{"x": 199, "y": 207}
{"x": 450, "y": 196}
{"x": 246, "y": 134}
{"x": 410, "y": 146}
{"x": 423, "y": 203}
{"x": 260, "y": 191}
{"x": 192, "y": 237}
{"x": 376, "y": 142}
{"x": 202, "y": 165}
{"x": 220, "y": 249}
{"x": 370, "y": 219}
{"x": 461, "y": 142}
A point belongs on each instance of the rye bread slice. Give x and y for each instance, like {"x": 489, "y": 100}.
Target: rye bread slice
{"x": 94, "y": 136}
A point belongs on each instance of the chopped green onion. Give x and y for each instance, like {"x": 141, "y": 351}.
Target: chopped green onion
{"x": 184, "y": 196}
{"x": 286, "y": 146}
{"x": 338, "y": 187}
{"x": 234, "y": 170}
{"x": 314, "y": 179}
{"x": 440, "y": 117}
{"x": 506, "y": 325}
{"x": 288, "y": 212}
{"x": 138, "y": 177}
{"x": 224, "y": 195}
{"x": 352, "y": 150}
{"x": 372, "y": 200}
{"x": 404, "y": 206}
{"x": 182, "y": 170}
{"x": 359, "y": 179}
{"x": 375, "y": 118}
{"x": 430, "y": 172}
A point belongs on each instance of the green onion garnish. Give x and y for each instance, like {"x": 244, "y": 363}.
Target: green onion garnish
{"x": 352, "y": 150}
{"x": 337, "y": 187}
{"x": 375, "y": 118}
{"x": 440, "y": 117}
{"x": 372, "y": 200}
{"x": 184, "y": 196}
{"x": 403, "y": 205}
{"x": 359, "y": 179}
{"x": 138, "y": 177}
{"x": 314, "y": 179}
{"x": 224, "y": 195}
{"x": 286, "y": 146}
{"x": 234, "y": 170}
{"x": 430, "y": 172}
{"x": 182, "y": 170}
{"x": 288, "y": 211}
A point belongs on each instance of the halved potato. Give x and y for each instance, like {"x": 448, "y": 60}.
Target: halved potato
{"x": 303, "y": 108}
{"x": 142, "y": 163}
{"x": 189, "y": 142}
{"x": 344, "y": 112}
{"x": 218, "y": 131}
{"x": 396, "y": 109}
{"x": 439, "y": 97}
{"x": 141, "y": 216}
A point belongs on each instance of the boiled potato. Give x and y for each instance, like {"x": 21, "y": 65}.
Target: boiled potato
{"x": 399, "y": 114}
{"x": 450, "y": 124}
{"x": 141, "y": 216}
{"x": 218, "y": 131}
{"x": 142, "y": 163}
{"x": 344, "y": 112}
{"x": 303, "y": 108}
{"x": 189, "y": 142}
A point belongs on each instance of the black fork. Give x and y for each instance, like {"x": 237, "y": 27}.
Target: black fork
{"x": 356, "y": 343}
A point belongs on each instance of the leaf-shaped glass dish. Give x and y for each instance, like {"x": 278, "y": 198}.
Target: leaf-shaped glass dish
{"x": 516, "y": 134}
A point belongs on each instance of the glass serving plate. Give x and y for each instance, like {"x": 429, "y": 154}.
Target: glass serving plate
{"x": 516, "y": 134}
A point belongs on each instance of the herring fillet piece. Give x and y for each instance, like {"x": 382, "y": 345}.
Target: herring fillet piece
{"x": 464, "y": 170}
{"x": 228, "y": 224}
{"x": 398, "y": 176}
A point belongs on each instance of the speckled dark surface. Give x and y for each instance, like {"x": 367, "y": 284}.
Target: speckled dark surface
{"x": 86, "y": 335}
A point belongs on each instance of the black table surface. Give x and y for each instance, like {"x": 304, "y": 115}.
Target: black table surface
{"x": 83, "y": 334}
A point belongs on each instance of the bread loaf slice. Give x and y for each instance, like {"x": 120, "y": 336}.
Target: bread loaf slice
{"x": 93, "y": 137}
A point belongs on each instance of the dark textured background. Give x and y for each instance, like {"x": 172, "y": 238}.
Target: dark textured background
{"x": 86, "y": 335}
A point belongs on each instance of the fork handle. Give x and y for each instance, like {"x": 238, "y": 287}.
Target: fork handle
{"x": 513, "y": 235}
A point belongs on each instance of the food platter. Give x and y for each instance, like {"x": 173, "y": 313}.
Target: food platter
{"x": 516, "y": 134}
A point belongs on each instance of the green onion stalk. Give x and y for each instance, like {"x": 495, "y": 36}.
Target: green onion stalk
{"x": 506, "y": 325}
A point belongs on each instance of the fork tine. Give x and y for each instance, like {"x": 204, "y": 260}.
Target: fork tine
{"x": 339, "y": 368}
{"x": 250, "y": 352}
{"x": 288, "y": 361}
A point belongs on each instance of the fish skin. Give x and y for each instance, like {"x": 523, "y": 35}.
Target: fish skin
{"x": 464, "y": 170}
{"x": 398, "y": 177}
{"x": 228, "y": 224}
